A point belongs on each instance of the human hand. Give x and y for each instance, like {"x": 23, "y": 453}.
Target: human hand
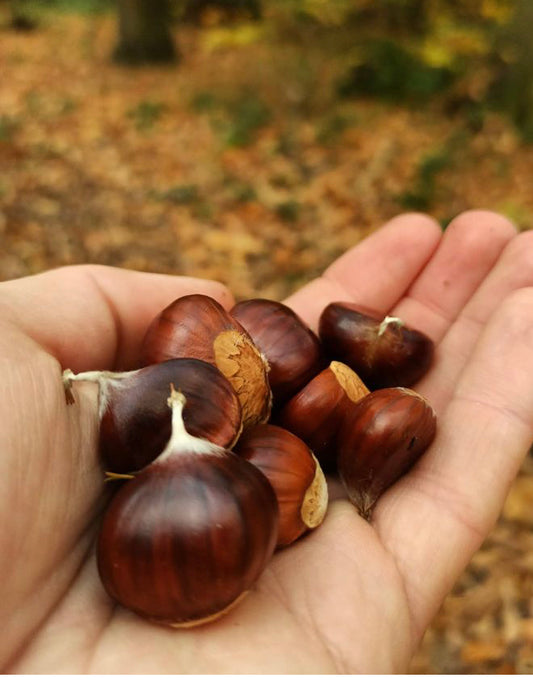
{"x": 351, "y": 596}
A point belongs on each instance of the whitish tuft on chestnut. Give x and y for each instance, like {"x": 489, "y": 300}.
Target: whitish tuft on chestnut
{"x": 292, "y": 350}
{"x": 382, "y": 437}
{"x": 382, "y": 350}
{"x": 135, "y": 422}
{"x": 315, "y": 413}
{"x": 295, "y": 476}
{"x": 188, "y": 536}
{"x": 197, "y": 326}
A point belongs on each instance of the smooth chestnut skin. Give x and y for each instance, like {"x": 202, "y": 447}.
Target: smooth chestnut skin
{"x": 315, "y": 414}
{"x": 294, "y": 474}
{"x": 136, "y": 422}
{"x": 292, "y": 350}
{"x": 186, "y": 538}
{"x": 381, "y": 438}
{"x": 383, "y": 351}
{"x": 186, "y": 328}
{"x": 197, "y": 326}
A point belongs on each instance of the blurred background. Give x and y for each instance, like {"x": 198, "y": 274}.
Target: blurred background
{"x": 254, "y": 141}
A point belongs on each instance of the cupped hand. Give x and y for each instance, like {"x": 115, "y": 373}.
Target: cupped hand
{"x": 351, "y": 597}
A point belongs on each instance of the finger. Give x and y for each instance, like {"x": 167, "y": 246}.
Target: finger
{"x": 435, "y": 518}
{"x": 514, "y": 270}
{"x": 94, "y": 316}
{"x": 376, "y": 272}
{"x": 468, "y": 250}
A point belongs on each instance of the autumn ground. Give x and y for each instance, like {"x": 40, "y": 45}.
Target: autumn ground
{"x": 241, "y": 165}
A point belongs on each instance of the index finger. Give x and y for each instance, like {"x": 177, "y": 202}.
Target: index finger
{"x": 376, "y": 272}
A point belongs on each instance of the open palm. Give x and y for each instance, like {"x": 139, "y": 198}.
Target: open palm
{"x": 351, "y": 596}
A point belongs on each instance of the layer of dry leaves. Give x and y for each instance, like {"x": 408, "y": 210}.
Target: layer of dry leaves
{"x": 83, "y": 179}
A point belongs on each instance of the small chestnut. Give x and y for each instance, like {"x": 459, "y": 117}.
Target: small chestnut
{"x": 316, "y": 412}
{"x": 197, "y": 326}
{"x": 382, "y": 350}
{"x": 295, "y": 476}
{"x": 381, "y": 438}
{"x": 188, "y": 536}
{"x": 292, "y": 350}
{"x": 135, "y": 421}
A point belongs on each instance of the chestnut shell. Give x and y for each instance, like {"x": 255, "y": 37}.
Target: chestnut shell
{"x": 383, "y": 355}
{"x": 184, "y": 539}
{"x": 316, "y": 412}
{"x": 381, "y": 438}
{"x": 293, "y": 351}
{"x": 136, "y": 422}
{"x": 295, "y": 476}
{"x": 197, "y": 326}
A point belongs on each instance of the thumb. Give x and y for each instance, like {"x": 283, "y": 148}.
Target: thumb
{"x": 95, "y": 316}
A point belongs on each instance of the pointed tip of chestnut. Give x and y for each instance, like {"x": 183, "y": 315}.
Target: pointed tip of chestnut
{"x": 293, "y": 351}
{"x": 384, "y": 351}
{"x": 381, "y": 439}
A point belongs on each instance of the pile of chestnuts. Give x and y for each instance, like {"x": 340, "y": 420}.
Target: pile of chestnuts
{"x": 218, "y": 443}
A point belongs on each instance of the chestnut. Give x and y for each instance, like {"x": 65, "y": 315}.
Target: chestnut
{"x": 197, "y": 326}
{"x": 292, "y": 350}
{"x": 134, "y": 416}
{"x": 381, "y": 438}
{"x": 382, "y": 350}
{"x": 188, "y": 536}
{"x": 316, "y": 412}
{"x": 295, "y": 476}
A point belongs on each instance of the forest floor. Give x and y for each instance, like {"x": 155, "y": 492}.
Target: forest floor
{"x": 240, "y": 164}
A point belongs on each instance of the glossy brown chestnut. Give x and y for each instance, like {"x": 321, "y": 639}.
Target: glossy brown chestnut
{"x": 197, "y": 326}
{"x": 292, "y": 350}
{"x": 135, "y": 419}
{"x": 382, "y": 350}
{"x": 187, "y": 537}
{"x": 382, "y": 437}
{"x": 295, "y": 476}
{"x": 315, "y": 413}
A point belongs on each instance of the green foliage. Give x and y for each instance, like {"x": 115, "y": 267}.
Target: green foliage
{"x": 180, "y": 194}
{"x": 204, "y": 102}
{"x": 389, "y": 71}
{"x": 235, "y": 116}
{"x": 422, "y": 194}
{"x": 8, "y": 127}
{"x": 289, "y": 211}
{"x": 193, "y": 10}
{"x": 247, "y": 117}
{"x": 146, "y": 114}
{"x": 330, "y": 129}
{"x": 34, "y": 8}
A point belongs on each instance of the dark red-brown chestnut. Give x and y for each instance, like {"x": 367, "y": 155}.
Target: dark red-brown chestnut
{"x": 381, "y": 438}
{"x": 295, "y": 476}
{"x": 315, "y": 413}
{"x": 292, "y": 350}
{"x": 134, "y": 416}
{"x": 197, "y": 326}
{"x": 185, "y": 539}
{"x": 382, "y": 350}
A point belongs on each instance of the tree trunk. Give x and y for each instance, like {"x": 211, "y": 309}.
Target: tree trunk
{"x": 21, "y": 15}
{"x": 144, "y": 32}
